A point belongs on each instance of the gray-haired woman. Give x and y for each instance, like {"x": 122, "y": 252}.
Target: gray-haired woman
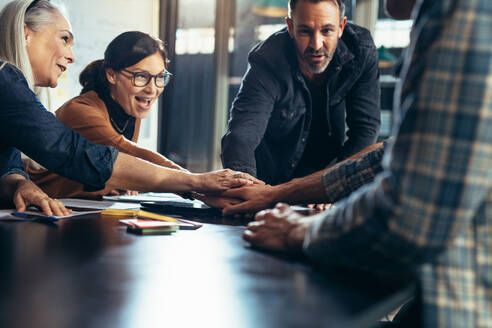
{"x": 35, "y": 49}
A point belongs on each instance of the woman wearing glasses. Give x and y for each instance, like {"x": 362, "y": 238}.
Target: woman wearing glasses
{"x": 117, "y": 93}
{"x": 35, "y": 49}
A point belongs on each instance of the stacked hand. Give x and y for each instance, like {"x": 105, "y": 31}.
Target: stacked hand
{"x": 252, "y": 199}
{"x": 213, "y": 184}
{"x": 222, "y": 180}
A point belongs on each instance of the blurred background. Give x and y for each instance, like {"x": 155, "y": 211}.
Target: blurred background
{"x": 208, "y": 42}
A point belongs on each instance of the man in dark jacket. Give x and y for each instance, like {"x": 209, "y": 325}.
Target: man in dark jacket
{"x": 302, "y": 85}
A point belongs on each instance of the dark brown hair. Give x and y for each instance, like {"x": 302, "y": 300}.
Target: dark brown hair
{"x": 124, "y": 51}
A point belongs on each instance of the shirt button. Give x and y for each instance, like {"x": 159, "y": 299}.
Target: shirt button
{"x": 293, "y": 165}
{"x": 338, "y": 68}
{"x": 303, "y": 139}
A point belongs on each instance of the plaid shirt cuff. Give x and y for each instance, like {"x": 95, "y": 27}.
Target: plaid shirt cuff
{"x": 344, "y": 178}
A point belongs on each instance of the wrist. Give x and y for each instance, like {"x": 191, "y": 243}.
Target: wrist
{"x": 295, "y": 238}
{"x": 283, "y": 193}
{"x": 14, "y": 180}
{"x": 194, "y": 181}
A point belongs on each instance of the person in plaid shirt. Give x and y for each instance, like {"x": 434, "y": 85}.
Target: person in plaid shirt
{"x": 430, "y": 209}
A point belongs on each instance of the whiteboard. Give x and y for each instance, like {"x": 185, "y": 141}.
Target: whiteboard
{"x": 95, "y": 23}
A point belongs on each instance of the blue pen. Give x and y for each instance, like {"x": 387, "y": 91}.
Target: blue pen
{"x": 34, "y": 217}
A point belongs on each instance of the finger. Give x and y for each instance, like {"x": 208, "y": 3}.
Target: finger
{"x": 255, "y": 225}
{"x": 66, "y": 211}
{"x": 114, "y": 192}
{"x": 249, "y": 236}
{"x": 234, "y": 193}
{"x": 58, "y": 208}
{"x": 261, "y": 215}
{"x": 239, "y": 182}
{"x": 252, "y": 178}
{"x": 282, "y": 208}
{"x": 20, "y": 204}
{"x": 45, "y": 206}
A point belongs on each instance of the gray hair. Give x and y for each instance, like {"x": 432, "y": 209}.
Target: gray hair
{"x": 35, "y": 14}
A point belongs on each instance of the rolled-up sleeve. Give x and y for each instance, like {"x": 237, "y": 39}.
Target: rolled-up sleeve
{"x": 11, "y": 163}
{"x": 26, "y": 125}
{"x": 346, "y": 177}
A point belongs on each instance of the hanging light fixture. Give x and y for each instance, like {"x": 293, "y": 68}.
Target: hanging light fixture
{"x": 271, "y": 8}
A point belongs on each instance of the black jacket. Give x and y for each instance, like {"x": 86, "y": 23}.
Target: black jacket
{"x": 270, "y": 118}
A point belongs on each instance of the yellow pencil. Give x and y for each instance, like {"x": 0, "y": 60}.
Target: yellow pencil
{"x": 139, "y": 213}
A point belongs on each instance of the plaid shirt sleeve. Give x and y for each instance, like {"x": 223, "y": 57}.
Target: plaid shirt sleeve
{"x": 437, "y": 173}
{"x": 344, "y": 178}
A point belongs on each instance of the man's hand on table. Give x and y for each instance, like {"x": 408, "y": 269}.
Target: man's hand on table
{"x": 279, "y": 229}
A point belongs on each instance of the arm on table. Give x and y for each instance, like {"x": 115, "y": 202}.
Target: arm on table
{"x": 326, "y": 186}
{"x": 437, "y": 179}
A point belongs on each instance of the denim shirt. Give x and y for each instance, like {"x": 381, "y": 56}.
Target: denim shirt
{"x": 270, "y": 118}
{"x": 25, "y": 125}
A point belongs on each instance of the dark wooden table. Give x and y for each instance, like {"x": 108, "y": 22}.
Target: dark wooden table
{"x": 89, "y": 272}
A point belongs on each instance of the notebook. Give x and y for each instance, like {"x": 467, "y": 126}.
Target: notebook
{"x": 181, "y": 208}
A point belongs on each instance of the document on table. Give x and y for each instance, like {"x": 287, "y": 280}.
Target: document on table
{"x": 146, "y": 197}
{"x": 7, "y": 215}
{"x": 79, "y": 207}
{"x": 87, "y": 204}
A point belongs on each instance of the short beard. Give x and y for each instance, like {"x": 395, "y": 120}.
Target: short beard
{"x": 316, "y": 69}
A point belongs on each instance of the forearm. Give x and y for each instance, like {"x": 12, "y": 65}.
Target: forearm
{"x": 135, "y": 174}
{"x": 151, "y": 156}
{"x": 342, "y": 179}
{"x": 334, "y": 183}
{"x": 308, "y": 189}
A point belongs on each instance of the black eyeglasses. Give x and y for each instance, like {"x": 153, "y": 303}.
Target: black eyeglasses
{"x": 141, "y": 79}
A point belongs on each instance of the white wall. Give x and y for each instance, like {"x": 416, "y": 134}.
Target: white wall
{"x": 95, "y": 23}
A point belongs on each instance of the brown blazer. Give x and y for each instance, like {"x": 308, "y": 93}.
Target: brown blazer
{"x": 88, "y": 115}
